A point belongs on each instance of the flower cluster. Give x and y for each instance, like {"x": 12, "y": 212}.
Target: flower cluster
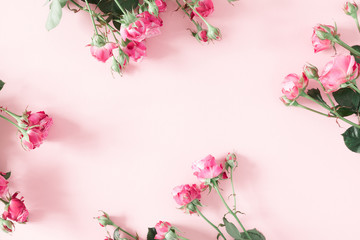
{"x": 33, "y": 127}
{"x": 122, "y": 27}
{"x": 209, "y": 173}
{"x": 337, "y": 80}
{"x": 162, "y": 230}
{"x": 15, "y": 209}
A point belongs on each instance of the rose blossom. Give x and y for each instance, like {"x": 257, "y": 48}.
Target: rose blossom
{"x": 162, "y": 229}
{"x": 135, "y": 50}
{"x": 318, "y": 44}
{"x": 36, "y": 134}
{"x": 202, "y": 36}
{"x": 161, "y": 5}
{"x": 292, "y": 84}
{"x": 3, "y": 186}
{"x": 338, "y": 71}
{"x": 204, "y": 8}
{"x": 16, "y": 210}
{"x": 152, "y": 24}
{"x": 206, "y": 168}
{"x": 103, "y": 53}
{"x": 146, "y": 26}
{"x": 185, "y": 194}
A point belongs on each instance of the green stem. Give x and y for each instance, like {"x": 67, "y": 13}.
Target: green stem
{"x": 357, "y": 22}
{"x": 196, "y": 24}
{"x": 228, "y": 208}
{"x": 92, "y": 16}
{"x": 17, "y": 117}
{"x": 312, "y": 110}
{"x": 125, "y": 231}
{"x": 344, "y": 45}
{"x": 233, "y": 189}
{"x": 20, "y": 129}
{"x": 182, "y": 238}
{"x": 3, "y": 201}
{"x": 329, "y": 109}
{"x": 197, "y": 13}
{"x": 331, "y": 101}
{"x": 354, "y": 87}
{"x": 78, "y": 5}
{"x": 121, "y": 8}
{"x": 207, "y": 220}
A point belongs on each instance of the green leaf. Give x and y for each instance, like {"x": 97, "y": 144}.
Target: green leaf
{"x": 151, "y": 234}
{"x": 55, "y": 14}
{"x": 344, "y": 111}
{"x": 63, "y": 2}
{"x": 110, "y": 6}
{"x": 6, "y": 175}
{"x": 357, "y": 48}
{"x": 346, "y": 97}
{"x": 1, "y": 84}
{"x": 315, "y": 93}
{"x": 231, "y": 229}
{"x": 254, "y": 234}
{"x": 352, "y": 139}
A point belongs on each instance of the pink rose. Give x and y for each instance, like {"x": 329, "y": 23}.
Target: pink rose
{"x": 205, "y": 8}
{"x": 318, "y": 44}
{"x": 292, "y": 84}
{"x": 16, "y": 210}
{"x": 338, "y": 71}
{"x": 185, "y": 194}
{"x": 135, "y": 50}
{"x": 136, "y": 31}
{"x": 206, "y": 168}
{"x": 161, "y": 5}
{"x": 202, "y": 36}
{"x": 3, "y": 186}
{"x": 36, "y": 134}
{"x": 162, "y": 228}
{"x": 152, "y": 24}
{"x": 103, "y": 53}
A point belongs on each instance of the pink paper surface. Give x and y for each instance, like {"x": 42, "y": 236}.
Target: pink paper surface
{"x": 121, "y": 144}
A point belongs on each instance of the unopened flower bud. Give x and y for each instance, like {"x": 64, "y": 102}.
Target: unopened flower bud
{"x": 152, "y": 7}
{"x": 288, "y": 102}
{"x": 351, "y": 9}
{"x": 213, "y": 33}
{"x": 311, "y": 72}
{"x": 230, "y": 161}
{"x": 202, "y": 36}
{"x": 104, "y": 220}
{"x": 6, "y": 225}
{"x": 325, "y": 32}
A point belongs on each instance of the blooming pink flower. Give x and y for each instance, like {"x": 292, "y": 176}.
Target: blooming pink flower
{"x": 3, "y": 186}
{"x": 206, "y": 168}
{"x": 185, "y": 194}
{"x": 161, "y": 5}
{"x": 146, "y": 26}
{"x": 291, "y": 85}
{"x": 136, "y": 31}
{"x": 162, "y": 228}
{"x": 338, "y": 71}
{"x": 152, "y": 24}
{"x": 205, "y": 8}
{"x": 318, "y": 44}
{"x": 16, "y": 210}
{"x": 36, "y": 134}
{"x": 103, "y": 53}
{"x": 135, "y": 50}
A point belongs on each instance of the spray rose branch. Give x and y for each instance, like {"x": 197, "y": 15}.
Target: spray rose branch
{"x": 209, "y": 222}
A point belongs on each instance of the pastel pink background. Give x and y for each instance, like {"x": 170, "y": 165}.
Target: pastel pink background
{"x": 122, "y": 144}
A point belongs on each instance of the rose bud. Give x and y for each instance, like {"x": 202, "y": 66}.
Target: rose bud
{"x": 16, "y": 210}
{"x": 351, "y": 9}
{"x": 213, "y": 33}
{"x": 230, "y": 161}
{"x": 321, "y": 38}
{"x": 311, "y": 72}
{"x": 7, "y": 226}
{"x": 339, "y": 71}
{"x": 202, "y": 36}
{"x": 104, "y": 220}
{"x": 204, "y": 8}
